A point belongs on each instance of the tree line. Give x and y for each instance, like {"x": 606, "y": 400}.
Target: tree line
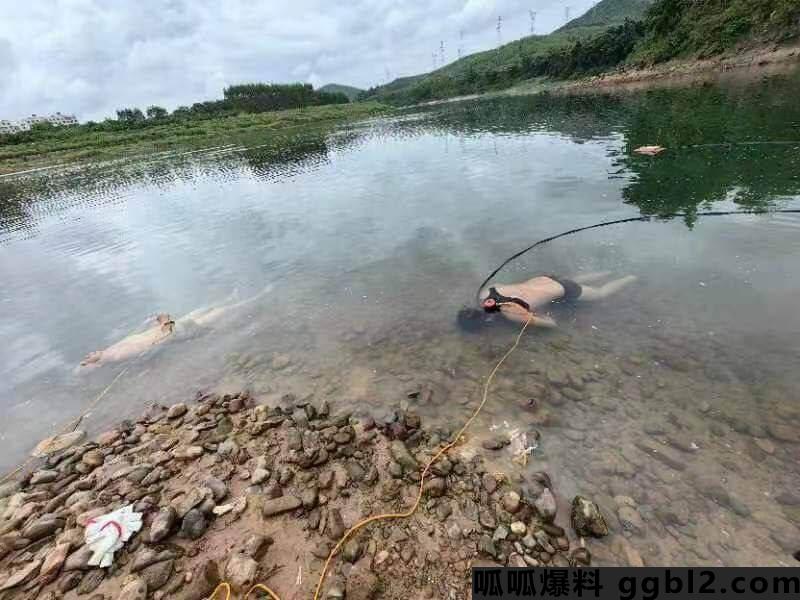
{"x": 237, "y": 99}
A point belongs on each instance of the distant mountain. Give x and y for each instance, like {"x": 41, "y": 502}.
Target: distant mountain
{"x": 504, "y": 66}
{"x": 607, "y": 13}
{"x": 348, "y": 90}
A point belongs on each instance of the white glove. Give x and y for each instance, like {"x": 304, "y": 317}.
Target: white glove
{"x": 107, "y": 534}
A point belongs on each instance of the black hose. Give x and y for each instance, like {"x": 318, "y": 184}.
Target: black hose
{"x": 716, "y": 213}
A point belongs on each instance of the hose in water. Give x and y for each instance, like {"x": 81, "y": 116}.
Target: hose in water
{"x": 648, "y": 218}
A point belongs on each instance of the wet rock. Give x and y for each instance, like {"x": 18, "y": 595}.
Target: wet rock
{"x": 42, "y": 527}
{"x": 518, "y": 528}
{"x": 69, "y": 581}
{"x": 78, "y": 560}
{"x": 489, "y": 483}
{"x": 134, "y": 589}
{"x": 435, "y": 487}
{"x": 53, "y": 562}
{"x": 361, "y": 583}
{"x": 241, "y": 571}
{"x": 93, "y": 458}
{"x": 712, "y": 488}
{"x": 630, "y": 519}
{"x": 44, "y": 476}
{"x": 22, "y": 575}
{"x": 586, "y": 518}
{"x": 91, "y": 581}
{"x": 194, "y": 524}
{"x": 402, "y": 456}
{"x": 495, "y": 442}
{"x": 351, "y": 551}
{"x": 280, "y": 505}
{"x": 163, "y": 524}
{"x": 335, "y": 524}
{"x": 511, "y": 502}
{"x": 546, "y": 505}
{"x": 176, "y": 410}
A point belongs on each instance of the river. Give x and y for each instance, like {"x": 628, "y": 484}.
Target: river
{"x": 342, "y": 259}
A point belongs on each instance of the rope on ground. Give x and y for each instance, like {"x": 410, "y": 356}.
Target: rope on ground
{"x": 442, "y": 451}
{"x": 71, "y": 426}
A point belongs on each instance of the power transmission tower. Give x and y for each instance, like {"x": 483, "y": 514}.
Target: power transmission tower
{"x": 441, "y": 52}
{"x": 499, "y": 30}
{"x": 434, "y": 56}
{"x": 567, "y": 10}
{"x": 533, "y": 20}
{"x": 460, "y": 43}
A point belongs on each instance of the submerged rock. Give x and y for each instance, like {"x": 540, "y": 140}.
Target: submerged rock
{"x": 586, "y": 518}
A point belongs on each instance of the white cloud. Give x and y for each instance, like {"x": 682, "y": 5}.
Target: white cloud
{"x": 92, "y": 57}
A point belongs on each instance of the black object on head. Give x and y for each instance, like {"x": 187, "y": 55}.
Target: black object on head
{"x": 797, "y": 555}
{"x": 472, "y": 320}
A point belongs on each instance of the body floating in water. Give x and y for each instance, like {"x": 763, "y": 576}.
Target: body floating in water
{"x": 517, "y": 301}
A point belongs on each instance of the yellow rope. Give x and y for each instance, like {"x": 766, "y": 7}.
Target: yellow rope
{"x": 227, "y": 587}
{"x": 73, "y": 424}
{"x": 413, "y": 509}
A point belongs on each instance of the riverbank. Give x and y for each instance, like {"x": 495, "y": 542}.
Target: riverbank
{"x": 177, "y": 136}
{"x": 238, "y": 491}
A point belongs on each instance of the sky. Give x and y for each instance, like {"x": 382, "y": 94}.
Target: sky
{"x": 91, "y": 57}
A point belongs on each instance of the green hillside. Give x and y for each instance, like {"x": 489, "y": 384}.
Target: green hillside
{"x": 501, "y": 67}
{"x": 607, "y": 14}
{"x": 348, "y": 90}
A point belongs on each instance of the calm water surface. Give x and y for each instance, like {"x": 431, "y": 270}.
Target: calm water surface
{"x": 342, "y": 259}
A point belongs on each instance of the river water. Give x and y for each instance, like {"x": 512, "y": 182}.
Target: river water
{"x": 342, "y": 258}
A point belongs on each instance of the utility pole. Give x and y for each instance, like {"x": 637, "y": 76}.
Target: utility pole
{"x": 499, "y": 30}
{"x": 533, "y": 21}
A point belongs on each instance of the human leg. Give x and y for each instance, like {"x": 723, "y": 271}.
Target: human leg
{"x": 604, "y": 291}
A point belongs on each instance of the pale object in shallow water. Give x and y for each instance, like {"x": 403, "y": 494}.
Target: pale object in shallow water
{"x": 649, "y": 150}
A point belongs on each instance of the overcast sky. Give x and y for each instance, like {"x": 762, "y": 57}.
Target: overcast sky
{"x": 90, "y": 57}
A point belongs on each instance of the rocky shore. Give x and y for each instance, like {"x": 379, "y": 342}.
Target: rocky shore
{"x": 237, "y": 491}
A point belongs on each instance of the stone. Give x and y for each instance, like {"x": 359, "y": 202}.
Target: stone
{"x": 259, "y": 476}
{"x": 546, "y": 505}
{"x": 78, "y": 560}
{"x": 495, "y": 442}
{"x": 586, "y": 518}
{"x": 241, "y": 571}
{"x": 218, "y": 488}
{"x": 511, "y": 502}
{"x": 134, "y": 589}
{"x": 489, "y": 482}
{"x": 351, "y": 551}
{"x": 53, "y": 562}
{"x": 21, "y": 575}
{"x": 93, "y": 458}
{"x": 500, "y": 533}
{"x": 91, "y": 581}
{"x": 309, "y": 497}
{"x": 176, "y": 410}
{"x": 280, "y": 505}
{"x": 255, "y": 546}
{"x": 184, "y": 503}
{"x": 69, "y": 582}
{"x": 41, "y": 527}
{"x": 194, "y": 524}
{"x": 9, "y": 489}
{"x": 361, "y": 583}
{"x": 57, "y": 443}
{"x": 518, "y": 528}
{"x": 784, "y": 433}
{"x": 189, "y": 453}
{"x": 486, "y": 518}
{"x": 336, "y": 527}
{"x": 630, "y": 519}
{"x": 402, "y": 456}
{"x": 44, "y": 476}
{"x": 228, "y": 448}
{"x": 157, "y": 575}
{"x": 435, "y": 487}
{"x": 486, "y": 546}
{"x": 163, "y": 524}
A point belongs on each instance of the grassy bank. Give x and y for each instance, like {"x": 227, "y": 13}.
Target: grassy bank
{"x": 76, "y": 144}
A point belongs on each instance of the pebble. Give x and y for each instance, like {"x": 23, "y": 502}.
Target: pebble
{"x": 194, "y": 524}
{"x": 500, "y": 533}
{"x": 259, "y": 476}
{"x": 586, "y": 518}
{"x": 91, "y": 581}
{"x": 22, "y": 575}
{"x": 496, "y": 442}
{"x": 511, "y": 501}
{"x": 489, "y": 483}
{"x": 163, "y": 524}
{"x": 44, "y": 476}
{"x": 403, "y": 457}
{"x": 283, "y": 504}
{"x": 546, "y": 505}
{"x": 134, "y": 589}
{"x": 630, "y": 519}
{"x": 176, "y": 410}
{"x": 518, "y": 528}
{"x": 241, "y": 571}
{"x": 351, "y": 551}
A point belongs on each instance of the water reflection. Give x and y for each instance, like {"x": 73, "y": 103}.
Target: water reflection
{"x": 369, "y": 239}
